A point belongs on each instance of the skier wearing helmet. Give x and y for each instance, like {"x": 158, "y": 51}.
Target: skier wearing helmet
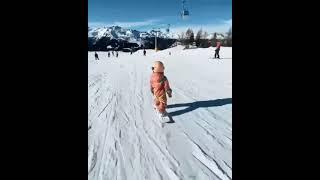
{"x": 159, "y": 86}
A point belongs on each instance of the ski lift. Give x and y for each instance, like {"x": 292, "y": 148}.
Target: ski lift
{"x": 168, "y": 28}
{"x": 184, "y": 13}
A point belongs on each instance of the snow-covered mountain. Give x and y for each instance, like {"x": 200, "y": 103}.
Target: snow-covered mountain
{"x": 119, "y": 33}
{"x": 99, "y": 39}
{"x": 135, "y": 36}
{"x": 219, "y": 36}
{"x": 116, "y": 37}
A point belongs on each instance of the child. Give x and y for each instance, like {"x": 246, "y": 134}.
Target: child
{"x": 159, "y": 86}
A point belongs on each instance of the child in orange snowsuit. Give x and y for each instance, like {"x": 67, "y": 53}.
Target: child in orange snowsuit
{"x": 159, "y": 86}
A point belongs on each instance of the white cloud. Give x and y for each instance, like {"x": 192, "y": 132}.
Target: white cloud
{"x": 125, "y": 24}
{"x": 136, "y": 24}
{"x": 229, "y": 22}
{"x": 98, "y": 24}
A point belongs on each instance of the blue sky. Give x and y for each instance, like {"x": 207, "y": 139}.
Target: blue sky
{"x": 210, "y": 15}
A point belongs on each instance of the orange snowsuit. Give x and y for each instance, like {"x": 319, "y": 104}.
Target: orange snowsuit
{"x": 159, "y": 86}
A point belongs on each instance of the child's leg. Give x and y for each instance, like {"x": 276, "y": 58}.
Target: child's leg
{"x": 156, "y": 103}
{"x": 161, "y": 107}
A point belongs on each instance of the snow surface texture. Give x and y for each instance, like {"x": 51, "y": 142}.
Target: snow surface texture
{"x": 126, "y": 140}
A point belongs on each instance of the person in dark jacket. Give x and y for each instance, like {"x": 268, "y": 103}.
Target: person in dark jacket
{"x": 144, "y": 52}
{"x": 108, "y": 54}
{"x": 217, "y": 50}
{"x": 96, "y": 56}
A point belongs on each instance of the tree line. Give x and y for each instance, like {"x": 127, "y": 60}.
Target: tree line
{"x": 202, "y": 39}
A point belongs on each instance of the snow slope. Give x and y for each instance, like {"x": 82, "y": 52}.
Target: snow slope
{"x": 126, "y": 140}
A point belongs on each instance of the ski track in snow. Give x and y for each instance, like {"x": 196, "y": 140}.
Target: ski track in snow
{"x": 125, "y": 138}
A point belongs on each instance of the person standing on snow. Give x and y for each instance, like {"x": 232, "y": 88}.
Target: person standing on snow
{"x": 144, "y": 52}
{"x": 108, "y": 54}
{"x": 159, "y": 86}
{"x": 96, "y": 56}
{"x": 217, "y": 50}
{"x": 117, "y": 54}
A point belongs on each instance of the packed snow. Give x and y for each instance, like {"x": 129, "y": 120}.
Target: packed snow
{"x": 126, "y": 140}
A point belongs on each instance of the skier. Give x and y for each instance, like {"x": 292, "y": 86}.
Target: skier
{"x": 144, "y": 52}
{"x": 112, "y": 53}
{"x": 170, "y": 53}
{"x": 159, "y": 86}
{"x": 216, "y": 55}
{"x": 96, "y": 56}
{"x": 108, "y": 54}
{"x": 117, "y": 54}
